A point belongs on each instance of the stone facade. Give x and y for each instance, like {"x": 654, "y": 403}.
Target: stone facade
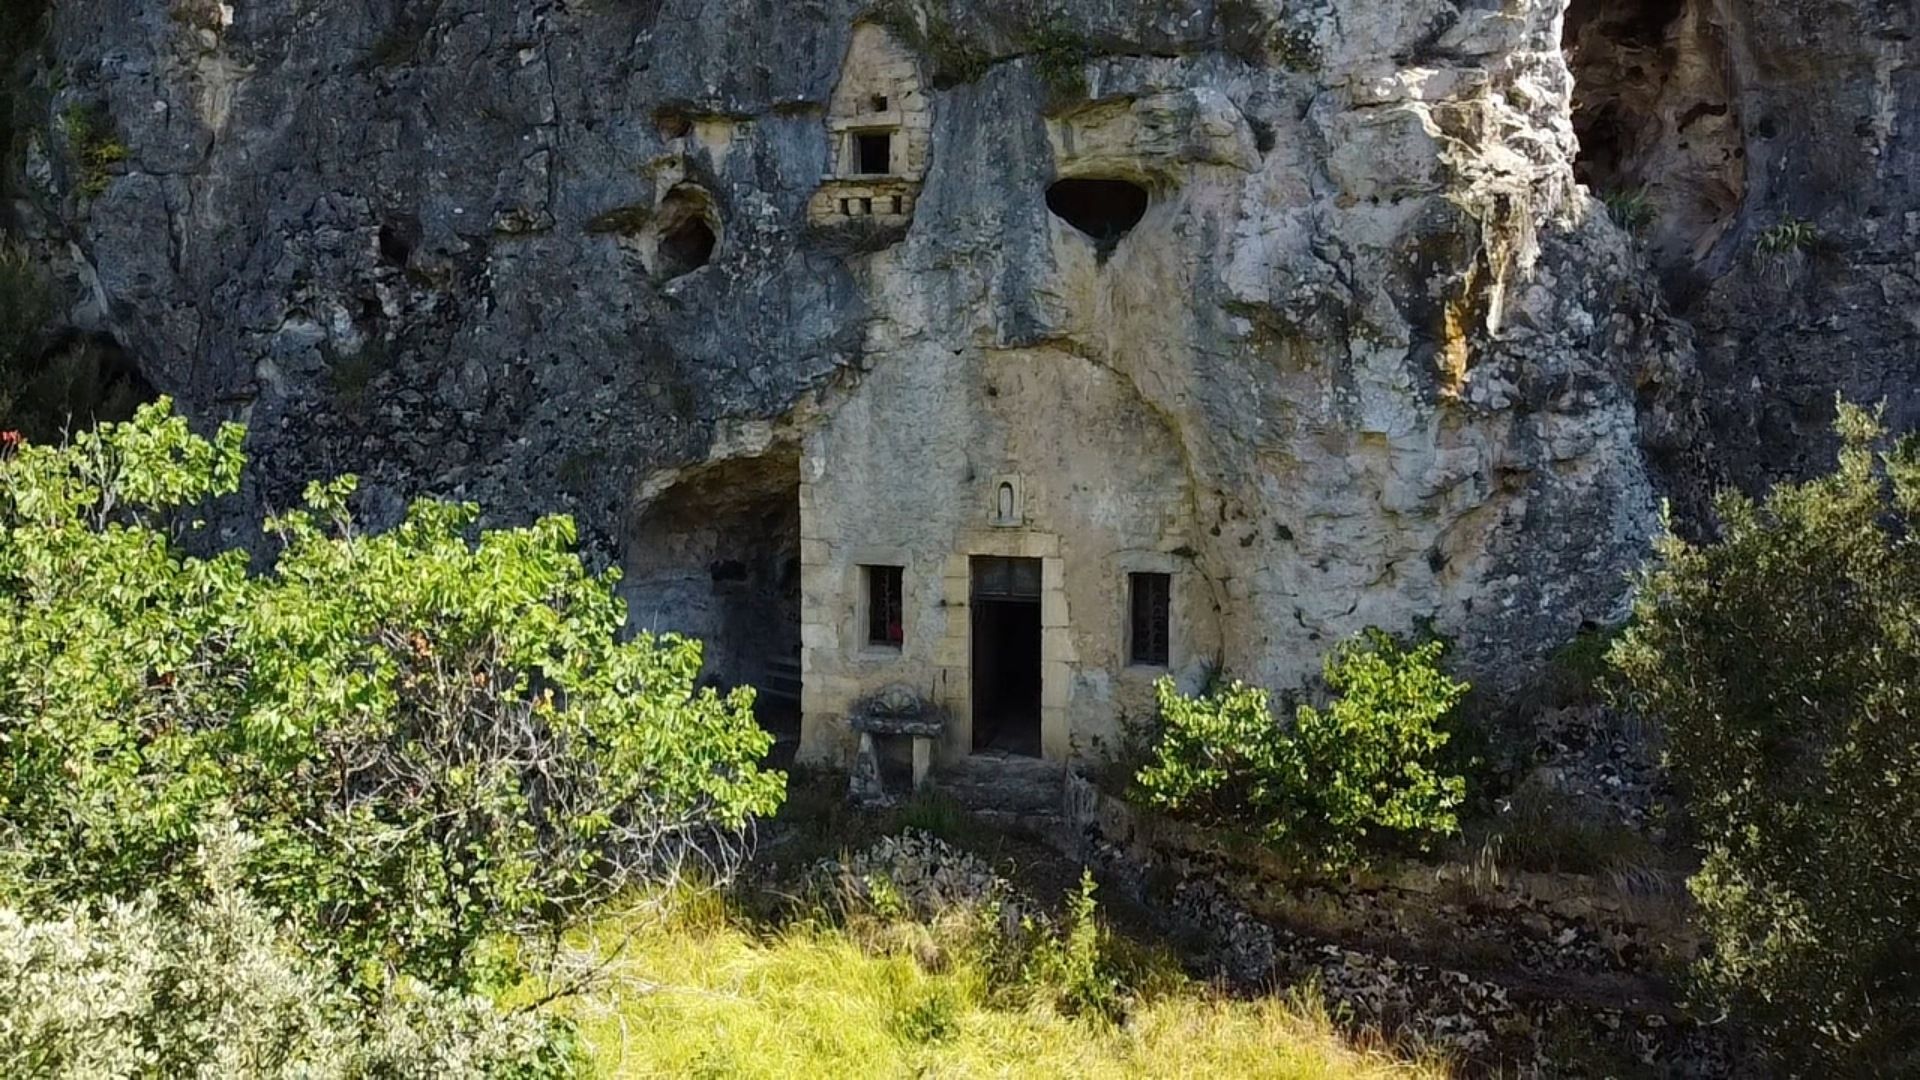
{"x": 909, "y": 472}
{"x": 1301, "y": 305}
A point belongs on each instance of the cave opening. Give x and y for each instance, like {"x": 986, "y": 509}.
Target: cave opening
{"x": 687, "y": 247}
{"x": 1653, "y": 109}
{"x": 717, "y": 557}
{"x": 687, "y": 234}
{"x": 1104, "y": 209}
{"x": 75, "y": 384}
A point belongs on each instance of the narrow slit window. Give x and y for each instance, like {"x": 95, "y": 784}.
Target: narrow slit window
{"x": 874, "y": 150}
{"x": 1151, "y": 596}
{"x": 884, "y": 607}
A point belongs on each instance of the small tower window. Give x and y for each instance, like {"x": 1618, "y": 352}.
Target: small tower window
{"x": 885, "y": 606}
{"x": 874, "y": 152}
{"x": 879, "y": 102}
{"x": 1151, "y": 596}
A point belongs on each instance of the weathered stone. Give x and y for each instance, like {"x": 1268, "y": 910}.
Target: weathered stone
{"x": 1367, "y": 354}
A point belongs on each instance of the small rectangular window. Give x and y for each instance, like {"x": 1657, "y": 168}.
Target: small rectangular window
{"x": 884, "y": 607}
{"x": 875, "y": 153}
{"x": 1151, "y": 596}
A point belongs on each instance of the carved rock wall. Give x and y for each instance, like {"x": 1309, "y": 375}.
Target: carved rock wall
{"x": 1407, "y": 368}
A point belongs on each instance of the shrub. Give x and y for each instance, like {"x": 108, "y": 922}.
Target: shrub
{"x": 1364, "y": 768}
{"x": 1783, "y": 662}
{"x": 207, "y": 986}
{"x": 1068, "y": 963}
{"x": 21, "y": 25}
{"x": 433, "y": 732}
{"x": 95, "y": 147}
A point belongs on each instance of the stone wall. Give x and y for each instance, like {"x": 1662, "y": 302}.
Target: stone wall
{"x": 906, "y": 473}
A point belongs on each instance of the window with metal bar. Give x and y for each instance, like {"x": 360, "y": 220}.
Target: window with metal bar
{"x": 884, "y": 606}
{"x": 1150, "y": 600}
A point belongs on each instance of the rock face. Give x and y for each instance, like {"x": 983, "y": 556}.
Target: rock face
{"x": 1776, "y": 145}
{"x": 1293, "y": 316}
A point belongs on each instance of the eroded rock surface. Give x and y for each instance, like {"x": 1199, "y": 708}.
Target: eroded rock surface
{"x": 1382, "y": 358}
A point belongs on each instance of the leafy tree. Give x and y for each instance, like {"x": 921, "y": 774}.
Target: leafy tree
{"x": 435, "y": 733}
{"x": 1366, "y": 767}
{"x": 1783, "y": 662}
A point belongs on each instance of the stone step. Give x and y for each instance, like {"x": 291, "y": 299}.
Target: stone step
{"x": 1004, "y": 783}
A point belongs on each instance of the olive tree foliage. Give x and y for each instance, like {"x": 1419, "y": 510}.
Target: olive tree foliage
{"x": 434, "y": 734}
{"x": 1361, "y": 771}
{"x": 1782, "y": 661}
{"x": 208, "y": 985}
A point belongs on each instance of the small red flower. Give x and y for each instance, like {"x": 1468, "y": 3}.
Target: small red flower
{"x": 9, "y": 442}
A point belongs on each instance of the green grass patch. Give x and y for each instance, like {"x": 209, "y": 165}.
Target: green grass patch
{"x": 717, "y": 997}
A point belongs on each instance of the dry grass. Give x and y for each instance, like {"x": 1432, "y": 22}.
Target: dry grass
{"x": 708, "y": 997}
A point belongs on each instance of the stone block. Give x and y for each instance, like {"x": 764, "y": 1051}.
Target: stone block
{"x": 822, "y": 636}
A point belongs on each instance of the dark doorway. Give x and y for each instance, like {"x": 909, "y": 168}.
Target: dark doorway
{"x": 876, "y": 153}
{"x": 1006, "y": 655}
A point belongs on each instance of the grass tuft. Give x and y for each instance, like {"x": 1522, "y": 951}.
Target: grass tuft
{"x": 1787, "y": 236}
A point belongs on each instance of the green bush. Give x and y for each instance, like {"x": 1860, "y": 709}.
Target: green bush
{"x": 434, "y": 732}
{"x": 95, "y": 147}
{"x": 1363, "y": 769}
{"x": 1783, "y": 663}
{"x": 1060, "y": 56}
{"x": 206, "y": 985}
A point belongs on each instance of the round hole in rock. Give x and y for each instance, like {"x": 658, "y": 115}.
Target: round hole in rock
{"x": 685, "y": 233}
{"x": 686, "y": 247}
{"x": 1105, "y": 210}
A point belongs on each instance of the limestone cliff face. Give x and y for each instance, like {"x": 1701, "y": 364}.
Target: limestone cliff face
{"x": 1777, "y": 148}
{"x": 1302, "y": 301}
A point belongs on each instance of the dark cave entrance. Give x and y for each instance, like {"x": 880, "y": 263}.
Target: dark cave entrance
{"x": 1617, "y": 52}
{"x": 1006, "y": 670}
{"x": 717, "y": 557}
{"x": 1106, "y": 210}
{"x": 687, "y": 233}
{"x": 75, "y": 384}
{"x": 1660, "y": 142}
{"x": 687, "y": 248}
